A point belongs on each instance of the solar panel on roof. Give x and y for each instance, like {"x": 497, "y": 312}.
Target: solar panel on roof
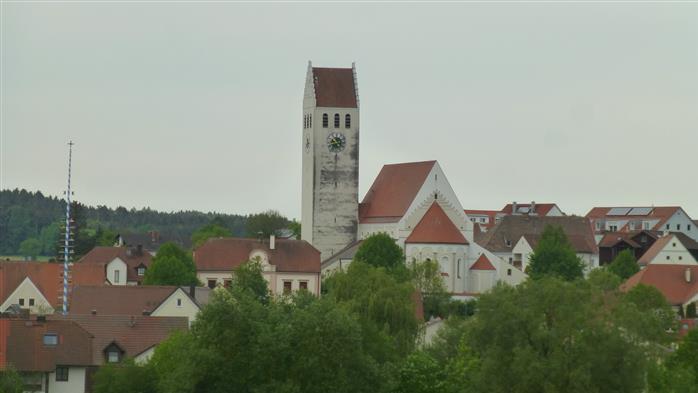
{"x": 618, "y": 211}
{"x": 640, "y": 211}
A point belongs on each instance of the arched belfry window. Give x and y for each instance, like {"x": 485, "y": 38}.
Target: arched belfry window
{"x": 325, "y": 120}
{"x": 336, "y": 120}
{"x": 305, "y": 121}
{"x": 347, "y": 121}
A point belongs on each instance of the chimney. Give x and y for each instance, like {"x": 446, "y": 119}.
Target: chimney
{"x": 192, "y": 291}
{"x": 514, "y": 208}
{"x": 688, "y": 274}
{"x": 139, "y": 249}
{"x": 41, "y": 318}
{"x": 93, "y": 312}
{"x": 533, "y": 208}
{"x": 272, "y": 242}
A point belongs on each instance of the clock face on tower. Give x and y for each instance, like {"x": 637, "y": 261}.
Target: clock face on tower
{"x": 336, "y": 142}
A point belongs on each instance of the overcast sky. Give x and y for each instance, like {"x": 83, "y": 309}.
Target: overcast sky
{"x": 198, "y": 106}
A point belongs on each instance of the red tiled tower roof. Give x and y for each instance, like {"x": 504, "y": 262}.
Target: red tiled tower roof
{"x": 334, "y": 87}
{"x": 436, "y": 227}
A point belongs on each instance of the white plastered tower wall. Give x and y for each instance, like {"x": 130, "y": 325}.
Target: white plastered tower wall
{"x": 329, "y": 211}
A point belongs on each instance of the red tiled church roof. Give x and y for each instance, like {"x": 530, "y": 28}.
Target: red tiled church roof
{"x": 482, "y": 263}
{"x": 334, "y": 87}
{"x": 436, "y": 227}
{"x": 393, "y": 191}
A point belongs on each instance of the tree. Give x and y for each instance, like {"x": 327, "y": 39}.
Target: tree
{"x": 30, "y": 248}
{"x": 426, "y": 276}
{"x": 171, "y": 266}
{"x": 380, "y": 250}
{"x": 646, "y": 315}
{"x": 624, "y": 265}
{"x": 384, "y": 305}
{"x": 11, "y": 381}
{"x": 126, "y": 377}
{"x": 249, "y": 277}
{"x": 295, "y": 228}
{"x": 420, "y": 373}
{"x": 604, "y": 280}
{"x": 209, "y": 231}
{"x": 554, "y": 256}
{"x": 551, "y": 335}
{"x": 265, "y": 224}
{"x": 691, "y": 310}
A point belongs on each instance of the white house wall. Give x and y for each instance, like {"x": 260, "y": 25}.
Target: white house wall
{"x": 674, "y": 253}
{"x": 275, "y": 280}
{"x": 114, "y": 266}
{"x": 74, "y": 384}
{"x": 27, "y": 290}
{"x": 681, "y": 222}
{"x": 452, "y": 260}
{"x": 169, "y": 307}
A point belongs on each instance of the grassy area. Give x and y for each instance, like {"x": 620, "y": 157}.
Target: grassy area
{"x": 21, "y": 258}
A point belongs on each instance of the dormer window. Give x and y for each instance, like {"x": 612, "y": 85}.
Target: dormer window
{"x": 141, "y": 271}
{"x": 347, "y": 121}
{"x": 113, "y": 353}
{"x": 325, "y": 120}
{"x": 336, "y": 120}
{"x": 113, "y": 356}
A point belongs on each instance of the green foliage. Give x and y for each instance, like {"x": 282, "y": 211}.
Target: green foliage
{"x": 265, "y": 224}
{"x": 295, "y": 228}
{"x": 380, "y": 250}
{"x": 679, "y": 373}
{"x": 646, "y": 315}
{"x": 26, "y": 214}
{"x": 249, "y": 277}
{"x": 241, "y": 345}
{"x": 125, "y": 377}
{"x": 427, "y": 279}
{"x": 171, "y": 266}
{"x": 385, "y": 306}
{"x": 209, "y": 231}
{"x": 30, "y": 248}
{"x": 554, "y": 256}
{"x": 691, "y": 310}
{"x": 687, "y": 353}
{"x": 420, "y": 373}
{"x": 625, "y": 265}
{"x": 603, "y": 280}
{"x": 11, "y": 381}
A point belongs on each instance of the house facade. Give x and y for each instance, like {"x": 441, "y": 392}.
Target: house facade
{"x": 662, "y": 219}
{"x": 613, "y": 243}
{"x": 671, "y": 249}
{"x": 122, "y": 265}
{"x": 288, "y": 265}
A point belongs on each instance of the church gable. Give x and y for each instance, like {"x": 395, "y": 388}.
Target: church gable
{"x": 482, "y": 263}
{"x": 436, "y": 227}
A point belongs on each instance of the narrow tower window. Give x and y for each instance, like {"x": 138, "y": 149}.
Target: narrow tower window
{"x": 310, "y": 121}
{"x": 325, "y": 120}
{"x": 347, "y": 121}
{"x": 336, "y": 120}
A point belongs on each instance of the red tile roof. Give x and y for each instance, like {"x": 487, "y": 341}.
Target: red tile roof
{"x": 661, "y": 213}
{"x": 132, "y": 258}
{"x": 393, "y": 191}
{"x": 48, "y": 278}
{"x": 334, "y": 87}
{"x": 133, "y": 334}
{"x": 542, "y": 209}
{"x": 491, "y": 217}
{"x": 482, "y": 263}
{"x": 224, "y": 254}
{"x": 436, "y": 227}
{"x": 26, "y": 350}
{"x": 612, "y": 238}
{"x": 118, "y": 299}
{"x": 670, "y": 280}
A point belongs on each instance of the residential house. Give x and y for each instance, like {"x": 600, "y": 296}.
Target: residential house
{"x": 663, "y": 219}
{"x": 122, "y": 265}
{"x": 51, "y": 355}
{"x": 674, "y": 248}
{"x": 678, "y": 283}
{"x": 515, "y": 238}
{"x": 613, "y": 243}
{"x": 156, "y": 301}
{"x": 288, "y": 265}
{"x": 484, "y": 220}
{"x": 150, "y": 241}
{"x": 38, "y": 286}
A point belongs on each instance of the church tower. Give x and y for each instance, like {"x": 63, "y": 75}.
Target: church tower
{"x": 329, "y": 213}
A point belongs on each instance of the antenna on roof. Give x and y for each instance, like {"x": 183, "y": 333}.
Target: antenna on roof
{"x": 66, "y": 243}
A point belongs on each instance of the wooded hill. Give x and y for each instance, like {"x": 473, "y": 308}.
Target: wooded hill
{"x": 32, "y": 215}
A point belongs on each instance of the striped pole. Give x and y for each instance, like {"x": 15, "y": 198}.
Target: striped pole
{"x": 66, "y": 244}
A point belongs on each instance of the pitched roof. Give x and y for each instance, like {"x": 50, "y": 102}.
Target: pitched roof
{"x": 512, "y": 228}
{"x": 226, "y": 253}
{"x": 482, "y": 263}
{"x": 541, "y": 209}
{"x": 661, "y": 243}
{"x": 660, "y": 213}
{"x": 26, "y": 350}
{"x": 118, "y": 299}
{"x": 436, "y": 227}
{"x": 133, "y": 334}
{"x": 347, "y": 252}
{"x": 612, "y": 238}
{"x": 46, "y": 276}
{"x": 132, "y": 257}
{"x": 393, "y": 191}
{"x": 670, "y": 280}
{"x": 334, "y": 87}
